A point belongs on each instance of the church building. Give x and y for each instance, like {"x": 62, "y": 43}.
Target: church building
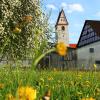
{"x": 61, "y": 29}
{"x": 53, "y": 60}
{"x": 88, "y": 47}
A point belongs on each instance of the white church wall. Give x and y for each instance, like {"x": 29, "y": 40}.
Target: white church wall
{"x": 86, "y": 58}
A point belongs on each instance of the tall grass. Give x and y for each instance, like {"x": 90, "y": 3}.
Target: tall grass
{"x": 64, "y": 85}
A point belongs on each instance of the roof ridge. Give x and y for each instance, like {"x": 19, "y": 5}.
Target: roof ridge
{"x": 93, "y": 20}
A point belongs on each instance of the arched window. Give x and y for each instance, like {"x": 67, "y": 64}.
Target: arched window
{"x": 63, "y": 28}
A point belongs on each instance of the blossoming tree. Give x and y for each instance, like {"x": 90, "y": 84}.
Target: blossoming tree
{"x": 23, "y": 28}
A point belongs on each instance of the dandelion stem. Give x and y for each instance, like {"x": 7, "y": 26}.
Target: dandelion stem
{"x": 36, "y": 61}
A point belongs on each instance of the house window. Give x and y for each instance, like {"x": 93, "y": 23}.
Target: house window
{"x": 97, "y": 61}
{"x": 91, "y": 50}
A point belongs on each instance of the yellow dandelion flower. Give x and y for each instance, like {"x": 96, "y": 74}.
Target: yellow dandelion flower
{"x": 91, "y": 98}
{"x": 50, "y": 78}
{"x": 30, "y": 93}
{"x": 1, "y": 86}
{"x": 83, "y": 99}
{"x": 61, "y": 49}
{"x": 26, "y": 93}
{"x": 17, "y": 30}
{"x": 95, "y": 66}
{"x": 88, "y": 98}
{"x": 20, "y": 92}
{"x": 10, "y": 97}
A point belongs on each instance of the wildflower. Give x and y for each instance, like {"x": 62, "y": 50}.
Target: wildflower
{"x": 17, "y": 30}
{"x": 27, "y": 18}
{"x": 95, "y": 66}
{"x": 97, "y": 91}
{"x": 1, "y": 86}
{"x": 50, "y": 78}
{"x": 91, "y": 98}
{"x": 26, "y": 93}
{"x": 88, "y": 98}
{"x": 10, "y": 97}
{"x": 61, "y": 49}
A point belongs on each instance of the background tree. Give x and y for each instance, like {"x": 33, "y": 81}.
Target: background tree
{"x": 23, "y": 29}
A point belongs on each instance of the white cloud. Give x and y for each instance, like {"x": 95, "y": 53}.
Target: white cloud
{"x": 51, "y": 6}
{"x": 98, "y": 14}
{"x": 72, "y": 7}
{"x": 76, "y": 7}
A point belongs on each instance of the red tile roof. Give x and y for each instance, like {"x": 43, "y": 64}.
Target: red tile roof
{"x": 73, "y": 45}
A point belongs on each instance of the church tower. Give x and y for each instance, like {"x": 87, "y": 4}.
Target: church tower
{"x": 61, "y": 28}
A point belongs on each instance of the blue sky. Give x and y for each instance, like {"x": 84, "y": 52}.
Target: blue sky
{"x": 76, "y": 11}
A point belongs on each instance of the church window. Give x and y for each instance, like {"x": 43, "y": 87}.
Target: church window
{"x": 63, "y": 28}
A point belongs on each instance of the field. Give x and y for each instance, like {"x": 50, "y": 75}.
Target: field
{"x": 58, "y": 85}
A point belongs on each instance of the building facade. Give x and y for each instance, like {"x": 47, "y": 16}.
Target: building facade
{"x": 88, "y": 47}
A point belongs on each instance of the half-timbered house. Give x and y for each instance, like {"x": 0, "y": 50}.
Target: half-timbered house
{"x": 88, "y": 47}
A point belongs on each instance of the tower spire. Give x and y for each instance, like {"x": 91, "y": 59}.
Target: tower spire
{"x": 61, "y": 28}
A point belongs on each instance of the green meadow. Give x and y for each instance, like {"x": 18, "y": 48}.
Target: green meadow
{"x": 62, "y": 85}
